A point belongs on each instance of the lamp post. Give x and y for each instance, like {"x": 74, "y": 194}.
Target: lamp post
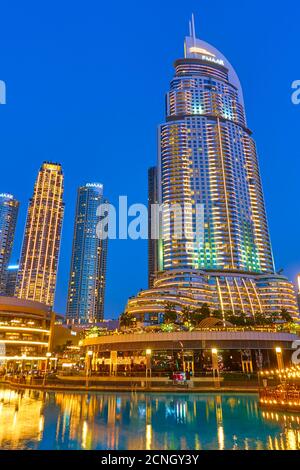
{"x": 279, "y": 356}
{"x": 23, "y": 359}
{"x": 148, "y": 364}
{"x": 23, "y": 366}
{"x": 215, "y": 367}
{"x": 48, "y": 355}
{"x": 88, "y": 366}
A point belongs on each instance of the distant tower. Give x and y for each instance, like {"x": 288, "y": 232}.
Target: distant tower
{"x": 41, "y": 244}
{"x": 88, "y": 265}
{"x": 11, "y": 280}
{"x": 9, "y": 208}
{"x": 152, "y": 243}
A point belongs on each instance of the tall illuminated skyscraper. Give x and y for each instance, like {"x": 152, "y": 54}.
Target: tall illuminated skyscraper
{"x": 40, "y": 250}
{"x": 152, "y": 243}
{"x": 208, "y": 166}
{"x": 9, "y": 208}
{"x": 88, "y": 265}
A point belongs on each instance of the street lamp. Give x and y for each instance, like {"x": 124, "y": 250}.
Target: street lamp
{"x": 148, "y": 363}
{"x": 279, "y": 358}
{"x": 215, "y": 366}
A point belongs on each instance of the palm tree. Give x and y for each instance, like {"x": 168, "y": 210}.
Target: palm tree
{"x": 127, "y": 320}
{"x": 286, "y": 316}
{"x": 170, "y": 313}
{"x": 205, "y": 310}
{"x": 187, "y": 314}
{"x": 218, "y": 314}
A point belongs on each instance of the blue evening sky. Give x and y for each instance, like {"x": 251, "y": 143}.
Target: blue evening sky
{"x": 85, "y": 87}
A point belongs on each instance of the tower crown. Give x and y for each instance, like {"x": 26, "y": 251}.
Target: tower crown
{"x": 195, "y": 48}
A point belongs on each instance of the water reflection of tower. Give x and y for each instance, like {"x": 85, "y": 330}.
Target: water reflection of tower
{"x": 111, "y": 410}
{"x": 51, "y": 413}
{"x": 219, "y": 419}
{"x": 112, "y": 432}
{"x": 148, "y": 422}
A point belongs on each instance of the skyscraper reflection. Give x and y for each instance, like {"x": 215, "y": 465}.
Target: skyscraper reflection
{"x": 36, "y": 420}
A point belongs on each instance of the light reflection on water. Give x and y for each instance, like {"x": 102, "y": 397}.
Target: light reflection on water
{"x": 37, "y": 420}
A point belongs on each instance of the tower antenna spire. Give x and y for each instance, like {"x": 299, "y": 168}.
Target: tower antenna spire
{"x": 193, "y": 27}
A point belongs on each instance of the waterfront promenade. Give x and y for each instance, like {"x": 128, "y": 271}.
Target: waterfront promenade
{"x": 228, "y": 382}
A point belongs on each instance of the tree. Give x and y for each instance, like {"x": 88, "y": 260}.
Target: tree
{"x": 127, "y": 320}
{"x": 198, "y": 317}
{"x": 93, "y": 332}
{"x": 286, "y": 316}
{"x": 170, "y": 313}
{"x": 205, "y": 310}
{"x": 238, "y": 320}
{"x": 187, "y": 314}
{"x": 262, "y": 320}
{"x": 218, "y": 314}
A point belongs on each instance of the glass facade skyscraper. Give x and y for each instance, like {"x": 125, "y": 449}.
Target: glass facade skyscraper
{"x": 208, "y": 167}
{"x": 9, "y": 208}
{"x": 152, "y": 243}
{"x": 41, "y": 244}
{"x": 88, "y": 265}
{"x": 208, "y": 157}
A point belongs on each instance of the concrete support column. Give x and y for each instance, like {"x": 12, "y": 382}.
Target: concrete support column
{"x": 113, "y": 362}
{"x": 94, "y": 361}
{"x": 246, "y": 360}
{"x": 188, "y": 362}
{"x": 247, "y": 366}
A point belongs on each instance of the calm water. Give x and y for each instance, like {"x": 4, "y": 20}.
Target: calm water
{"x": 36, "y": 420}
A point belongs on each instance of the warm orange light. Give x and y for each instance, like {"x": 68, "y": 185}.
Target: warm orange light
{"x": 22, "y": 358}
{"x": 12, "y": 341}
{"x": 21, "y": 328}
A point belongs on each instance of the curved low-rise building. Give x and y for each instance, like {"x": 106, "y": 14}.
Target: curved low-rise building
{"x": 230, "y": 293}
{"x": 237, "y": 349}
{"x": 25, "y": 333}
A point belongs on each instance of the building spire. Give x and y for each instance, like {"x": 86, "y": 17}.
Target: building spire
{"x": 192, "y": 27}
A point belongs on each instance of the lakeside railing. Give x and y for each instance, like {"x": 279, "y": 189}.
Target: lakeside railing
{"x": 138, "y": 380}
